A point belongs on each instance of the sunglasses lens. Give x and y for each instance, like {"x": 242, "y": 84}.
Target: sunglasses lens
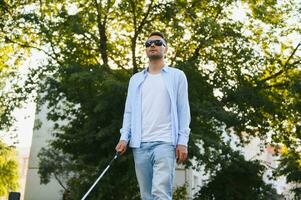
{"x": 148, "y": 43}
{"x": 156, "y": 42}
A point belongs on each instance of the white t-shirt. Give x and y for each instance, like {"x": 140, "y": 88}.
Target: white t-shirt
{"x": 156, "y": 110}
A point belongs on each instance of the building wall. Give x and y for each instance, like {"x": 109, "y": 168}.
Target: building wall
{"x": 23, "y": 156}
{"x": 33, "y": 189}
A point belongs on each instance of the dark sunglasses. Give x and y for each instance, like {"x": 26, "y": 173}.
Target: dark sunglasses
{"x": 149, "y": 43}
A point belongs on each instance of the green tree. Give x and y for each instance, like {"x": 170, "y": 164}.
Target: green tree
{"x": 13, "y": 93}
{"x": 15, "y": 44}
{"x": 53, "y": 162}
{"x": 180, "y": 192}
{"x": 290, "y": 166}
{"x": 238, "y": 179}
{"x": 8, "y": 170}
{"x": 238, "y": 83}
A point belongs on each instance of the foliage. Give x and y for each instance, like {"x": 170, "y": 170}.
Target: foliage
{"x": 238, "y": 179}
{"x": 180, "y": 192}
{"x": 93, "y": 147}
{"x": 290, "y": 166}
{"x": 15, "y": 37}
{"x": 53, "y": 162}
{"x": 239, "y": 82}
{"x": 8, "y": 170}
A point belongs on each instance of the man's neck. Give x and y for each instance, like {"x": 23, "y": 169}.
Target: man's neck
{"x": 155, "y": 66}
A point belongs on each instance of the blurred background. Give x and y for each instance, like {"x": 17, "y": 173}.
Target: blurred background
{"x": 64, "y": 71}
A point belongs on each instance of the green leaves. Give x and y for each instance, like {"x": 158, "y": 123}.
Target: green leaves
{"x": 8, "y": 170}
{"x": 234, "y": 69}
{"x": 238, "y": 179}
{"x": 240, "y": 82}
{"x": 291, "y": 168}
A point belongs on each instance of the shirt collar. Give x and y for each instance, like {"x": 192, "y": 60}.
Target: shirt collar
{"x": 164, "y": 69}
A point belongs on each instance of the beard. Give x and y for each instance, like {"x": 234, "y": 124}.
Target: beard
{"x": 157, "y": 56}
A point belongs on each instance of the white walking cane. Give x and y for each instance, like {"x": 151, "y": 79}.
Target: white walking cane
{"x": 101, "y": 175}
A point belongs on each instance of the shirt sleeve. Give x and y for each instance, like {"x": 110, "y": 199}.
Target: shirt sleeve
{"x": 125, "y": 131}
{"x": 183, "y": 110}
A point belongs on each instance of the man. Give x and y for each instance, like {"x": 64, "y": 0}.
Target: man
{"x": 156, "y": 122}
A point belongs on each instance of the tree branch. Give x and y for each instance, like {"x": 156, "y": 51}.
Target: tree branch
{"x": 146, "y": 15}
{"x": 33, "y": 47}
{"x": 120, "y": 65}
{"x": 284, "y": 66}
{"x": 133, "y": 5}
{"x": 102, "y": 33}
{"x": 60, "y": 182}
{"x": 137, "y": 31}
{"x": 107, "y": 12}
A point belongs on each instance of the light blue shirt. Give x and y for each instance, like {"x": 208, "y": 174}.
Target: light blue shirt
{"x": 177, "y": 87}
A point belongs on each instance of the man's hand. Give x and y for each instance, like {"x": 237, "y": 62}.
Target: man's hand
{"x": 121, "y": 147}
{"x": 181, "y": 153}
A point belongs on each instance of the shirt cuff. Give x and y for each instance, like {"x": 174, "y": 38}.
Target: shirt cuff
{"x": 125, "y": 137}
{"x": 183, "y": 140}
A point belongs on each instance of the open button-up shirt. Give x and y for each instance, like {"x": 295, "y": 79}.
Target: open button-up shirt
{"x": 177, "y": 87}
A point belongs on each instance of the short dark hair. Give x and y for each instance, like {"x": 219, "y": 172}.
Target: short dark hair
{"x": 160, "y": 34}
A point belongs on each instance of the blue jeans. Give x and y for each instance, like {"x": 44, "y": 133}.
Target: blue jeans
{"x": 155, "y": 168}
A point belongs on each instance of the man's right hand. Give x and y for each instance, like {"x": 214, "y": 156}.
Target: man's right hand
{"x": 121, "y": 147}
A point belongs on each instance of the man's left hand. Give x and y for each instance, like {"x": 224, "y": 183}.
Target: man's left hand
{"x": 181, "y": 153}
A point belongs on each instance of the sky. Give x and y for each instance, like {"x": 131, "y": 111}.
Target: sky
{"x": 25, "y": 116}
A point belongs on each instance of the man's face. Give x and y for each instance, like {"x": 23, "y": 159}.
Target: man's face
{"x": 157, "y": 48}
